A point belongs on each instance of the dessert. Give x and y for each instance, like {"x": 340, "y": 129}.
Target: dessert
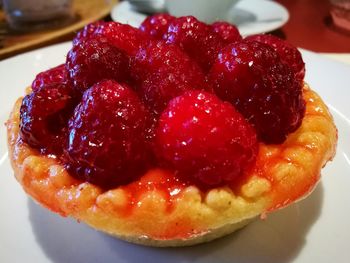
{"x": 171, "y": 135}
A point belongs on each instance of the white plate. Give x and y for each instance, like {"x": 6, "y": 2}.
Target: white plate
{"x": 314, "y": 230}
{"x": 251, "y": 16}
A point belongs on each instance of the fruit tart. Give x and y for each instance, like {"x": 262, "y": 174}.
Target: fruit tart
{"x": 172, "y": 134}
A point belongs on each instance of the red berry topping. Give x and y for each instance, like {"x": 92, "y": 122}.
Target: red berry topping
{"x": 197, "y": 39}
{"x": 163, "y": 72}
{"x": 112, "y": 136}
{"x": 157, "y": 25}
{"x": 107, "y": 135}
{"x": 229, "y": 33}
{"x": 87, "y": 32}
{"x": 93, "y": 60}
{"x": 288, "y": 53}
{"x": 205, "y": 138}
{"x": 44, "y": 117}
{"x": 56, "y": 75}
{"x": 124, "y": 37}
{"x": 253, "y": 78}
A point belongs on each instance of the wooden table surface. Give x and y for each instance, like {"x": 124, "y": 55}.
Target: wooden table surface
{"x": 13, "y": 42}
{"x": 310, "y": 26}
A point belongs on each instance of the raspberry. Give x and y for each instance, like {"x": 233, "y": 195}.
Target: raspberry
{"x": 197, "y": 39}
{"x": 253, "y": 78}
{"x": 288, "y": 53}
{"x": 93, "y": 60}
{"x": 107, "y": 135}
{"x": 228, "y": 32}
{"x": 44, "y": 117}
{"x": 205, "y": 138}
{"x": 124, "y": 37}
{"x": 156, "y": 26}
{"x": 163, "y": 72}
{"x": 56, "y": 75}
{"x": 87, "y": 32}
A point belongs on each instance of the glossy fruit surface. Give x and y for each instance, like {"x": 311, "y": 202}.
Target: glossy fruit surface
{"x": 205, "y": 139}
{"x": 157, "y": 25}
{"x": 106, "y": 142}
{"x": 196, "y": 38}
{"x": 253, "y": 78}
{"x": 288, "y": 53}
{"x": 95, "y": 59}
{"x": 44, "y": 117}
{"x": 163, "y": 72}
{"x": 229, "y": 33}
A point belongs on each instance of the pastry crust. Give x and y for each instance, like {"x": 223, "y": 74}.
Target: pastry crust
{"x": 184, "y": 215}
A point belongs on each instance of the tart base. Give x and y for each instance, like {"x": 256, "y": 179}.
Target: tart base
{"x": 212, "y": 234}
{"x": 182, "y": 215}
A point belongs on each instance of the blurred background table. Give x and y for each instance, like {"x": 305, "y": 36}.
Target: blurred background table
{"x": 310, "y": 27}
{"x": 12, "y": 42}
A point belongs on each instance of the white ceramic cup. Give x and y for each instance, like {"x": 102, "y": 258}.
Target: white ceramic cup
{"x": 205, "y": 10}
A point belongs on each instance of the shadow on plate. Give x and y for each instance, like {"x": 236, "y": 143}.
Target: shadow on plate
{"x": 239, "y": 16}
{"x": 279, "y": 238}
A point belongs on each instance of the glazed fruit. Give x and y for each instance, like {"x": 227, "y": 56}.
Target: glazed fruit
{"x": 124, "y": 37}
{"x": 205, "y": 139}
{"x": 156, "y": 26}
{"x": 87, "y": 32}
{"x": 56, "y": 75}
{"x": 107, "y": 135}
{"x": 196, "y": 38}
{"x": 44, "y": 117}
{"x": 162, "y": 72}
{"x": 95, "y": 59}
{"x": 253, "y": 78}
{"x": 288, "y": 53}
{"x": 229, "y": 33}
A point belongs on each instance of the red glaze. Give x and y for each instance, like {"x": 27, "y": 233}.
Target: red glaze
{"x": 87, "y": 32}
{"x": 229, "y": 33}
{"x": 106, "y": 143}
{"x": 122, "y": 36}
{"x": 54, "y": 76}
{"x": 288, "y": 53}
{"x": 288, "y": 191}
{"x": 253, "y": 78}
{"x": 205, "y": 139}
{"x": 95, "y": 59}
{"x": 157, "y": 25}
{"x": 197, "y": 39}
{"x": 162, "y": 72}
{"x": 165, "y": 182}
{"x": 44, "y": 117}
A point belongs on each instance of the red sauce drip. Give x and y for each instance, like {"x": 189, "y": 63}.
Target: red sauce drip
{"x": 288, "y": 191}
{"x": 167, "y": 183}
